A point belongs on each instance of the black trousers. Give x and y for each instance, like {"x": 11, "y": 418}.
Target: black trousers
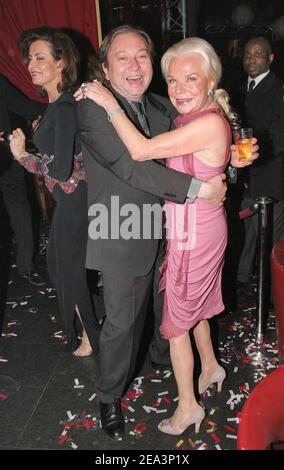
{"x": 247, "y": 259}
{"x": 159, "y": 349}
{"x": 66, "y": 257}
{"x": 14, "y": 193}
{"x": 126, "y": 301}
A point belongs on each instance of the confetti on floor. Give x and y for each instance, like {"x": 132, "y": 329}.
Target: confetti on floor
{"x": 152, "y": 395}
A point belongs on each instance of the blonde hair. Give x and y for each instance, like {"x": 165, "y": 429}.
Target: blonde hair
{"x": 212, "y": 67}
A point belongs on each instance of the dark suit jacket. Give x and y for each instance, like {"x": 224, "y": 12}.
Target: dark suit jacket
{"x": 14, "y": 105}
{"x": 263, "y": 110}
{"x": 14, "y": 101}
{"x": 112, "y": 172}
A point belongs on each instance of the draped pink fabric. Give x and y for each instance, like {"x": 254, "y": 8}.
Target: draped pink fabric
{"x": 196, "y": 242}
{"x": 18, "y": 15}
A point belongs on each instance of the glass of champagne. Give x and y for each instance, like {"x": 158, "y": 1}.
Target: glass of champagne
{"x": 243, "y": 140}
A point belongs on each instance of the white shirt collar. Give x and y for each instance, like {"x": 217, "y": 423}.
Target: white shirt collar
{"x": 257, "y": 79}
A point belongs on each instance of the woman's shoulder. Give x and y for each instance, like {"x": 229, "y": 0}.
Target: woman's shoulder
{"x": 66, "y": 97}
{"x": 66, "y": 101}
{"x": 215, "y": 123}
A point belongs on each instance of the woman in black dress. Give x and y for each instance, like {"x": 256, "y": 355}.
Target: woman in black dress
{"x": 52, "y": 61}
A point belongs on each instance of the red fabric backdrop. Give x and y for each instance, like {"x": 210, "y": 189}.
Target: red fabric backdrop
{"x": 18, "y": 15}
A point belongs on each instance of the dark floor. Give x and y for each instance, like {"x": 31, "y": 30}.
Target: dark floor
{"x": 47, "y": 398}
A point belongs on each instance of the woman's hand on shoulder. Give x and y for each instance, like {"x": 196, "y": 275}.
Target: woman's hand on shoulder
{"x": 98, "y": 93}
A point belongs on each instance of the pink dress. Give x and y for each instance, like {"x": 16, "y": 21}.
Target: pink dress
{"x": 196, "y": 242}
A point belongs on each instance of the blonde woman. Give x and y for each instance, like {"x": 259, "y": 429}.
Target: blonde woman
{"x": 191, "y": 271}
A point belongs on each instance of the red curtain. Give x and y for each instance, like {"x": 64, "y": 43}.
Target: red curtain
{"x": 18, "y": 15}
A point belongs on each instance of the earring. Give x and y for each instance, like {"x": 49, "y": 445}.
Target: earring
{"x": 210, "y": 92}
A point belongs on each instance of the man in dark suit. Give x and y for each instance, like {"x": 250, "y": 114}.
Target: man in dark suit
{"x": 117, "y": 187}
{"x": 261, "y": 105}
{"x": 15, "y": 105}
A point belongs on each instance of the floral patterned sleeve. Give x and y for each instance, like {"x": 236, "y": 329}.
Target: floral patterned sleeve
{"x": 36, "y": 163}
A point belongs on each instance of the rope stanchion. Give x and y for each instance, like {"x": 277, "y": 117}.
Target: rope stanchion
{"x": 262, "y": 206}
{"x": 249, "y": 211}
{"x": 264, "y": 251}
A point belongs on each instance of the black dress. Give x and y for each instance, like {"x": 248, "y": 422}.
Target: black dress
{"x": 60, "y": 161}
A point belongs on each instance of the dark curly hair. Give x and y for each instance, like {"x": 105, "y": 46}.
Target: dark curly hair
{"x": 62, "y": 47}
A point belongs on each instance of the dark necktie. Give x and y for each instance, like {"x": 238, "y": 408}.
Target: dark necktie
{"x": 251, "y": 86}
{"x": 139, "y": 110}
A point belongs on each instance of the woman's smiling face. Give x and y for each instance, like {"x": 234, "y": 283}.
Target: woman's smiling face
{"x": 188, "y": 84}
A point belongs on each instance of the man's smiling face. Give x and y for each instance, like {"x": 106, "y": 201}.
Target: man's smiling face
{"x": 129, "y": 67}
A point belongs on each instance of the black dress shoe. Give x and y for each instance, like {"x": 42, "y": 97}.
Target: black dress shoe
{"x": 246, "y": 292}
{"x": 32, "y": 277}
{"x": 112, "y": 420}
{"x": 162, "y": 367}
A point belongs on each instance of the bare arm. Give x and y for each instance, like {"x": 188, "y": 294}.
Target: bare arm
{"x": 93, "y": 126}
{"x": 210, "y": 146}
{"x": 187, "y": 139}
{"x": 181, "y": 142}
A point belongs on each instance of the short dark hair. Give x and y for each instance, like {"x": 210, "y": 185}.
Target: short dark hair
{"x": 62, "y": 47}
{"x": 108, "y": 39}
{"x": 261, "y": 40}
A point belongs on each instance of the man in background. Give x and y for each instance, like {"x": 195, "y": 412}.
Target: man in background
{"x": 260, "y": 103}
{"x": 15, "y": 105}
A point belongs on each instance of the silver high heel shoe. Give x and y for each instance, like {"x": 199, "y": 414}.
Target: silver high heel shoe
{"x": 195, "y": 418}
{"x": 218, "y": 377}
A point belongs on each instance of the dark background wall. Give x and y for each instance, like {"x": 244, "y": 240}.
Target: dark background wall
{"x": 221, "y": 22}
